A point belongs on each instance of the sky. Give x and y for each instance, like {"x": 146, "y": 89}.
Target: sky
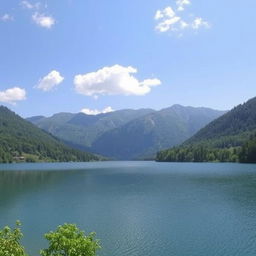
{"x": 98, "y": 56}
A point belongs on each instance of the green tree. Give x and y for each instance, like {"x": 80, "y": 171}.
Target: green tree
{"x": 10, "y": 241}
{"x": 68, "y": 240}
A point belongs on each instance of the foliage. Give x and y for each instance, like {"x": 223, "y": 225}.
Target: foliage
{"x": 22, "y": 141}
{"x": 10, "y": 241}
{"x": 199, "y": 153}
{"x": 68, "y": 240}
{"x": 248, "y": 151}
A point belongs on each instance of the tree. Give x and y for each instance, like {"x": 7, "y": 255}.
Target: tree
{"x": 68, "y": 240}
{"x": 10, "y": 241}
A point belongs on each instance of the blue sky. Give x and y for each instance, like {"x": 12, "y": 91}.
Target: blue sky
{"x": 69, "y": 55}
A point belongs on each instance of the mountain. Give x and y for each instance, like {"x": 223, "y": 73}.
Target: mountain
{"x": 82, "y": 130}
{"x": 222, "y": 140}
{"x": 128, "y": 134}
{"x": 22, "y": 141}
{"x": 144, "y": 136}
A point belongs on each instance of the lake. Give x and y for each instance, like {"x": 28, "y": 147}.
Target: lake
{"x": 136, "y": 208}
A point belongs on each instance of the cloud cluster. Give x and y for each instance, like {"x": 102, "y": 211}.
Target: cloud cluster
{"x": 6, "y": 17}
{"x": 12, "y": 95}
{"x": 50, "y": 81}
{"x": 41, "y": 19}
{"x": 88, "y": 111}
{"x": 169, "y": 19}
{"x": 181, "y": 4}
{"x": 113, "y": 80}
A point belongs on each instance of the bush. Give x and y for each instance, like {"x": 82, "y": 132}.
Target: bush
{"x": 10, "y": 241}
{"x": 67, "y": 240}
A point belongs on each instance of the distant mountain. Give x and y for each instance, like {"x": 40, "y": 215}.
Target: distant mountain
{"x": 222, "y": 140}
{"x": 22, "y": 141}
{"x": 128, "y": 134}
{"x": 82, "y": 130}
{"x": 144, "y": 136}
{"x": 35, "y": 118}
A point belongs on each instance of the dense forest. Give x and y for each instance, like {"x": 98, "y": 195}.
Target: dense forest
{"x": 22, "y": 141}
{"x": 230, "y": 138}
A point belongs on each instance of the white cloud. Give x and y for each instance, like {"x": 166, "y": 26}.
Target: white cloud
{"x": 6, "y": 17}
{"x": 88, "y": 111}
{"x": 183, "y": 24}
{"x": 28, "y": 5}
{"x": 199, "y": 22}
{"x": 168, "y": 24}
{"x": 168, "y": 20}
{"x": 112, "y": 81}
{"x": 181, "y": 4}
{"x": 12, "y": 95}
{"x": 50, "y": 81}
{"x": 167, "y": 12}
{"x": 43, "y": 20}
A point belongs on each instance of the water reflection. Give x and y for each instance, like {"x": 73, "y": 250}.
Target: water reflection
{"x": 138, "y": 208}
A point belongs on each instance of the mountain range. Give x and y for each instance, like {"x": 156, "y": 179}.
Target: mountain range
{"x": 230, "y": 138}
{"x": 127, "y": 134}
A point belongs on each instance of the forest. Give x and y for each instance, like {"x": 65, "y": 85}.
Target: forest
{"x": 22, "y": 141}
{"x": 229, "y": 138}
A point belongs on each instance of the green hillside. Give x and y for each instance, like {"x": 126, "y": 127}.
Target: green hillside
{"x": 81, "y": 130}
{"x": 22, "y": 141}
{"x": 144, "y": 136}
{"x": 224, "y": 139}
{"x": 128, "y": 134}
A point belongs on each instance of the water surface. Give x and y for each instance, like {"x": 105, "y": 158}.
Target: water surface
{"x": 136, "y": 208}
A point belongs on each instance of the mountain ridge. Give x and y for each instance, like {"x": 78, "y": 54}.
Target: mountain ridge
{"x": 221, "y": 140}
{"x": 20, "y": 140}
{"x": 129, "y": 134}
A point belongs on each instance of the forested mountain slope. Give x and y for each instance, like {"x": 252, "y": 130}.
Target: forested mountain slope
{"x": 81, "y": 129}
{"x": 22, "y": 141}
{"x": 144, "y": 136}
{"x": 128, "y": 134}
{"x": 221, "y": 140}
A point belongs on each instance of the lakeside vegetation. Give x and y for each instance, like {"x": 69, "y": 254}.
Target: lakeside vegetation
{"x": 66, "y": 240}
{"x": 21, "y": 141}
{"x": 230, "y": 138}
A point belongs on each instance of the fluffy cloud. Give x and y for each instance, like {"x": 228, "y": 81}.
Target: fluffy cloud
{"x": 181, "y": 4}
{"x": 38, "y": 17}
{"x": 50, "y": 81}
{"x": 169, "y": 20}
{"x": 112, "y": 81}
{"x": 88, "y": 111}
{"x": 12, "y": 95}
{"x": 43, "y": 20}
{"x": 167, "y": 12}
{"x": 6, "y": 17}
{"x": 168, "y": 24}
{"x": 198, "y": 23}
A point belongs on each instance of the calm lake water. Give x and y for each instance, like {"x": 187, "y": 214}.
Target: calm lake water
{"x": 136, "y": 208}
